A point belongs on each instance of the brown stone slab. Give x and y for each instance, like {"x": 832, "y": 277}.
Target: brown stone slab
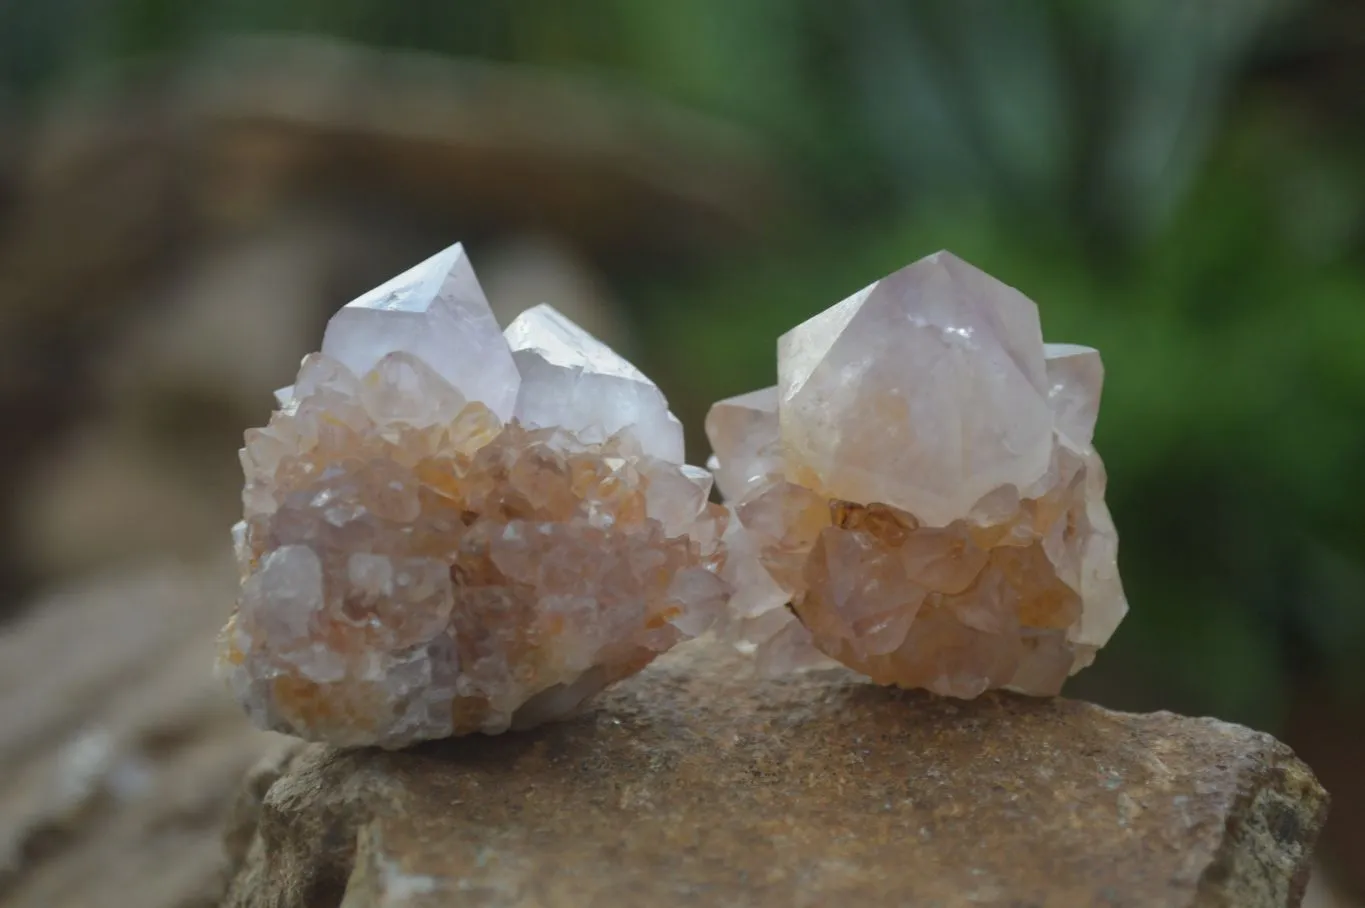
{"x": 695, "y": 784}
{"x": 119, "y": 753}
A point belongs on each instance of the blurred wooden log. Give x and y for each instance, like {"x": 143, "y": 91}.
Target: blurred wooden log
{"x": 502, "y": 146}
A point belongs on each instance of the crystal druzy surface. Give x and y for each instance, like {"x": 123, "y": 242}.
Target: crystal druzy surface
{"x": 921, "y": 487}
{"x": 448, "y": 530}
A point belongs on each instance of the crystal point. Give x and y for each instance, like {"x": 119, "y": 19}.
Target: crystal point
{"x": 438, "y": 312}
{"x": 925, "y": 391}
{"x": 1075, "y": 377}
{"x": 744, "y": 433}
{"x": 921, "y": 487}
{"x": 571, "y": 379}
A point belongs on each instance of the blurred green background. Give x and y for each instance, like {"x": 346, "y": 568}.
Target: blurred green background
{"x": 1180, "y": 184}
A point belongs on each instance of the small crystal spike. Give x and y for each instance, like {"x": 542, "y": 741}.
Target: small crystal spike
{"x": 571, "y": 379}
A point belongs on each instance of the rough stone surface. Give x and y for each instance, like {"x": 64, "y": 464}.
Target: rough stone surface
{"x": 119, "y": 755}
{"x": 694, "y": 784}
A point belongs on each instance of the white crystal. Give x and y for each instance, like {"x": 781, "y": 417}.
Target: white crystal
{"x": 437, "y": 312}
{"x": 756, "y": 592}
{"x": 285, "y": 595}
{"x": 744, "y": 433}
{"x": 1075, "y": 377}
{"x": 572, "y": 380}
{"x": 1101, "y": 587}
{"x": 320, "y": 374}
{"x": 403, "y": 388}
{"x": 675, "y": 497}
{"x": 925, "y": 390}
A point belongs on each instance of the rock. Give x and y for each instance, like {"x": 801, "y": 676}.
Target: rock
{"x": 119, "y": 754}
{"x": 695, "y": 784}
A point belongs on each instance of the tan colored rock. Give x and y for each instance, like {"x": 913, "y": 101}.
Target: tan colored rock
{"x": 119, "y": 755}
{"x": 694, "y": 784}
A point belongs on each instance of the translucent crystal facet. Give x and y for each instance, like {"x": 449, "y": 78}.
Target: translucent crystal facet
{"x": 922, "y": 490}
{"x": 1074, "y": 378}
{"x": 924, "y": 391}
{"x": 744, "y": 434}
{"x": 571, "y": 379}
{"x": 413, "y": 566}
{"x": 436, "y": 311}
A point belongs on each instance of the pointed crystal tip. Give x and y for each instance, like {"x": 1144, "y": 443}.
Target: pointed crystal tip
{"x": 438, "y": 312}
{"x": 924, "y": 390}
{"x": 571, "y": 379}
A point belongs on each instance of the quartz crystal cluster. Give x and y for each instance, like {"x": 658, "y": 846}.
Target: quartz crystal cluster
{"x": 450, "y": 529}
{"x": 918, "y": 497}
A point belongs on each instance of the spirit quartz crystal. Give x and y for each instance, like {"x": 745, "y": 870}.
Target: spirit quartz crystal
{"x": 450, "y": 529}
{"x": 918, "y": 497}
